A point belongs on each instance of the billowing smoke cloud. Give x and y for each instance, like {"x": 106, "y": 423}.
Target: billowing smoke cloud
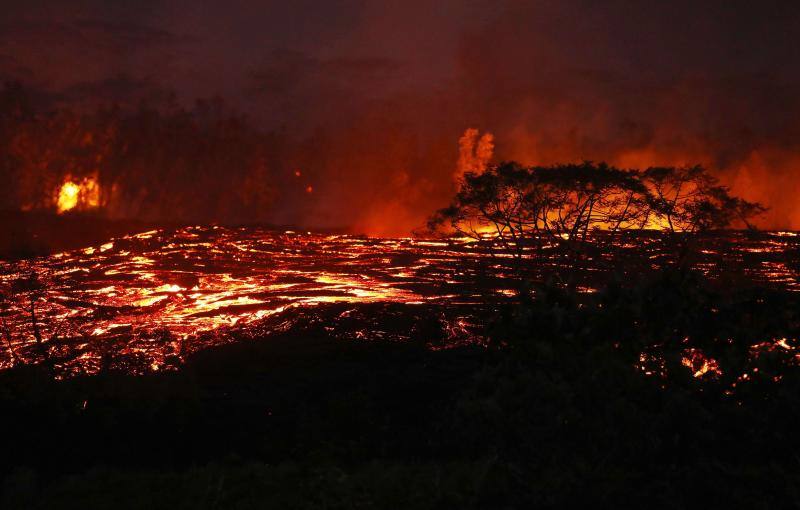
{"x": 474, "y": 152}
{"x": 368, "y": 100}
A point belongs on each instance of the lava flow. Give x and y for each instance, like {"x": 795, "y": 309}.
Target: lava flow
{"x": 160, "y": 294}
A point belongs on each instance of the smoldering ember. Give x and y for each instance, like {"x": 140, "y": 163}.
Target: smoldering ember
{"x": 349, "y": 255}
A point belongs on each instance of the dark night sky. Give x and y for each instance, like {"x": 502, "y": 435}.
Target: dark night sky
{"x": 634, "y": 83}
{"x": 124, "y": 49}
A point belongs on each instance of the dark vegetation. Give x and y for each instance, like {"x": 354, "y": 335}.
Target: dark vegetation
{"x": 154, "y": 162}
{"x": 665, "y": 391}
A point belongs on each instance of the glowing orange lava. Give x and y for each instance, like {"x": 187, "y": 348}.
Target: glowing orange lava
{"x": 158, "y": 295}
{"x": 700, "y": 364}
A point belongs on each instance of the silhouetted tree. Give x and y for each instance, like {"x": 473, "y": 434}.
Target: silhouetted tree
{"x": 526, "y": 207}
{"x": 588, "y": 196}
{"x": 689, "y": 199}
{"x": 522, "y": 207}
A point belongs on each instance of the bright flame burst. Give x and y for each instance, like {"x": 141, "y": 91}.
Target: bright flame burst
{"x": 84, "y": 194}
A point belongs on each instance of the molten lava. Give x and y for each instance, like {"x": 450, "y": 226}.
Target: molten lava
{"x": 158, "y": 295}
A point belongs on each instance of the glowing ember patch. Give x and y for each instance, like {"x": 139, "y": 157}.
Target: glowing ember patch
{"x": 700, "y": 364}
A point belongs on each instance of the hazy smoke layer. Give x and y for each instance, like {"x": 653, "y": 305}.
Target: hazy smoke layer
{"x": 361, "y": 105}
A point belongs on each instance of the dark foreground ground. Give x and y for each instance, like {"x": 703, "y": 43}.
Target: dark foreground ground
{"x": 555, "y": 412}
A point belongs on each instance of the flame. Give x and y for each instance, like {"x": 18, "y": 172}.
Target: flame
{"x": 81, "y": 195}
{"x": 68, "y": 196}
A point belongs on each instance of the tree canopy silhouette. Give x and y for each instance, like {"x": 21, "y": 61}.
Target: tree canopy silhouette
{"x": 526, "y": 207}
{"x": 689, "y": 199}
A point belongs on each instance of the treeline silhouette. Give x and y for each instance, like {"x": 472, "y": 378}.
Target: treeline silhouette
{"x": 152, "y": 162}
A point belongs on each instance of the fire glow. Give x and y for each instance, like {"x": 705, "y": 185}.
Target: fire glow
{"x": 78, "y": 195}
